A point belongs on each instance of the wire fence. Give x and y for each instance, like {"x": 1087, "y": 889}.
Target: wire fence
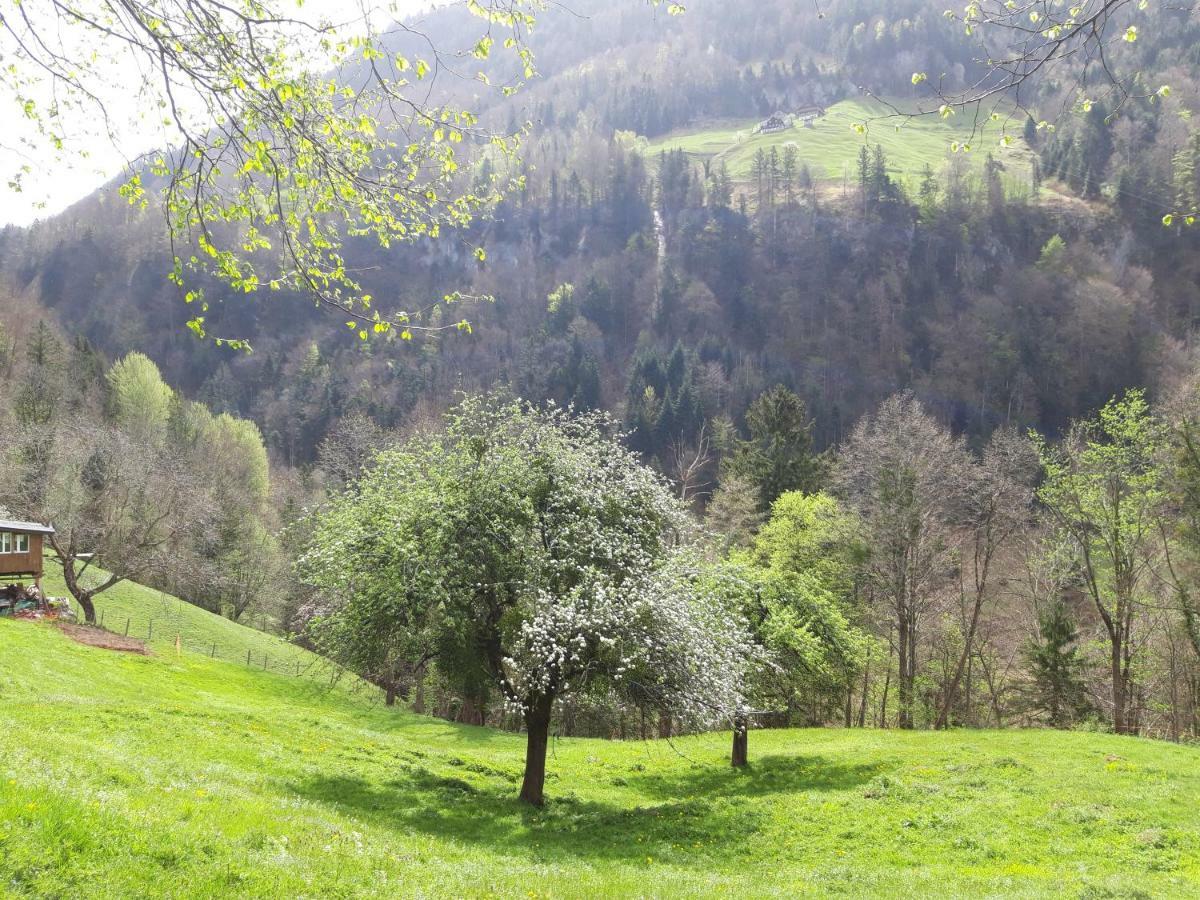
{"x": 294, "y": 661}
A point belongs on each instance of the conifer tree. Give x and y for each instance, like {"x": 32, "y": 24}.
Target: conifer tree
{"x": 1058, "y": 691}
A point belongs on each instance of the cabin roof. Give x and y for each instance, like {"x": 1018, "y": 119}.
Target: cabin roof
{"x": 30, "y": 527}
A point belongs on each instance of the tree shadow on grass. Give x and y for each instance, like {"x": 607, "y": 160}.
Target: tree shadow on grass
{"x": 773, "y": 774}
{"x": 705, "y": 811}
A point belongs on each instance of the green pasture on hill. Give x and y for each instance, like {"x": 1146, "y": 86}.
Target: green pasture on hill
{"x": 159, "y": 618}
{"x": 831, "y": 146}
{"x": 163, "y": 776}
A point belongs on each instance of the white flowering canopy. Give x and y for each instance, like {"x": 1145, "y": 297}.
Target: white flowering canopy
{"x": 528, "y": 551}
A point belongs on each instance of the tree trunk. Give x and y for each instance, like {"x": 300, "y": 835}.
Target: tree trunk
{"x": 887, "y": 684}
{"x": 389, "y": 694}
{"x": 904, "y": 716}
{"x": 664, "y": 724}
{"x": 537, "y": 724}
{"x": 471, "y": 712}
{"x": 741, "y": 740}
{"x": 968, "y": 700}
{"x": 1120, "y": 726}
{"x": 418, "y": 704}
{"x": 81, "y": 596}
{"x": 943, "y": 719}
{"x": 84, "y": 599}
{"x": 862, "y": 706}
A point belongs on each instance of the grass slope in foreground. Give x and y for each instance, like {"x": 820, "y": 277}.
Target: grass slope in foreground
{"x": 125, "y": 776}
{"x": 831, "y": 146}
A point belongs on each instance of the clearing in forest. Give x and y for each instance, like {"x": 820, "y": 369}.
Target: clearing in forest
{"x": 831, "y": 146}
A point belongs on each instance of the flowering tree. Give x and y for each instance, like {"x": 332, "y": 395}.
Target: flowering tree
{"x": 527, "y": 551}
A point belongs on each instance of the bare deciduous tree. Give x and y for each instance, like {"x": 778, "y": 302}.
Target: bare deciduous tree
{"x": 119, "y": 507}
{"x": 904, "y": 473}
{"x": 995, "y": 504}
{"x": 690, "y": 465}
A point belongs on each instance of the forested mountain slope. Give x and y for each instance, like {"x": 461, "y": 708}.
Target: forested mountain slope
{"x": 695, "y": 288}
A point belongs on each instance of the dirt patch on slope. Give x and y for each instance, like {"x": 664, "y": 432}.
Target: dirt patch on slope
{"x": 106, "y": 640}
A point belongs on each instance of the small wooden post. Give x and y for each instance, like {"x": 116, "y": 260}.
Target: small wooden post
{"x": 247, "y": 657}
{"x": 266, "y": 660}
{"x": 178, "y": 644}
{"x": 213, "y": 655}
{"x": 741, "y": 728}
{"x": 101, "y": 618}
{"x": 126, "y": 628}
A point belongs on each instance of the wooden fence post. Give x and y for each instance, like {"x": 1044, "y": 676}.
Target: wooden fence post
{"x": 150, "y": 632}
{"x": 247, "y": 657}
{"x": 126, "y": 628}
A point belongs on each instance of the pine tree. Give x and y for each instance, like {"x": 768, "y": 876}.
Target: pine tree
{"x": 722, "y": 195}
{"x": 1031, "y": 132}
{"x": 779, "y": 455}
{"x": 1058, "y": 691}
{"x": 1186, "y": 175}
{"x": 927, "y": 194}
{"x": 864, "y": 174}
{"x": 881, "y": 184}
{"x": 773, "y": 172}
{"x": 790, "y": 159}
{"x": 44, "y": 384}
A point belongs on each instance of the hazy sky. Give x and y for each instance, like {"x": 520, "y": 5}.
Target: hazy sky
{"x": 59, "y": 179}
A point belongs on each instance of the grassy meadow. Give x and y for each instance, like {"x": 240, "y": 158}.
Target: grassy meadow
{"x": 163, "y": 776}
{"x": 158, "y": 618}
{"x": 831, "y": 146}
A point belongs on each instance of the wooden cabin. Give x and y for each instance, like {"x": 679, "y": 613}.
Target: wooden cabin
{"x": 21, "y": 550}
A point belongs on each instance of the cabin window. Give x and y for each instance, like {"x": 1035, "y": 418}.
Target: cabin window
{"x": 21, "y": 543}
{"x": 6, "y": 542}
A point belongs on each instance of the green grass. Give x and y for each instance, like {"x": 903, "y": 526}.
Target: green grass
{"x": 160, "y": 618}
{"x": 831, "y": 147}
{"x": 132, "y": 776}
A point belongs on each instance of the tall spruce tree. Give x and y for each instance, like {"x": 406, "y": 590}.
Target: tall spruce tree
{"x": 1058, "y": 691}
{"x": 779, "y": 455}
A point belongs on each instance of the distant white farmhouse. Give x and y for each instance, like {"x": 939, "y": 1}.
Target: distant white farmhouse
{"x": 773, "y": 123}
{"x": 806, "y": 115}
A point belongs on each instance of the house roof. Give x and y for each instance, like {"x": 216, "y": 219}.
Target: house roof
{"x": 32, "y": 527}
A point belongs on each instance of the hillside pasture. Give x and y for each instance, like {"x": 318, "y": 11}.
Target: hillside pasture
{"x": 163, "y": 776}
{"x": 831, "y": 146}
{"x": 158, "y": 618}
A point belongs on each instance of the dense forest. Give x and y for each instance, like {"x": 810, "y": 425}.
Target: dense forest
{"x": 768, "y": 343}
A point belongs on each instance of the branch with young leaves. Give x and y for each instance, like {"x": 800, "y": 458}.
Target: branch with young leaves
{"x": 288, "y": 138}
{"x": 1022, "y": 45}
